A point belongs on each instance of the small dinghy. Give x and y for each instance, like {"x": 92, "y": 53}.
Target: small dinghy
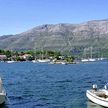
{"x": 2, "y": 93}
{"x": 98, "y": 96}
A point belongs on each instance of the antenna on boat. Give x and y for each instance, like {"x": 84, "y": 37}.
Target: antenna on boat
{"x": 106, "y": 86}
{"x": 94, "y": 86}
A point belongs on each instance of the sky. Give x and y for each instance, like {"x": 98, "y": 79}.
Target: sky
{"x": 17, "y": 16}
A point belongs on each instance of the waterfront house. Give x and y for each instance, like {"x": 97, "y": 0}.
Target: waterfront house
{"x": 3, "y": 57}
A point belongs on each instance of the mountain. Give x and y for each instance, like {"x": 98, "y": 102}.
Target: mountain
{"x": 60, "y": 37}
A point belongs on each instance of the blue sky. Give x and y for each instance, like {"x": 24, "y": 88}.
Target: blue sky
{"x": 17, "y": 16}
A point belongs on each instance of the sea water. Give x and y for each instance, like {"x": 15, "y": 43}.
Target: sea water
{"x": 34, "y": 85}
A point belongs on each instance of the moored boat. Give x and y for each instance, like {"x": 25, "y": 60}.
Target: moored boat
{"x": 43, "y": 60}
{"x": 84, "y": 60}
{"x": 98, "y": 96}
{"x": 2, "y": 93}
{"x": 34, "y": 61}
{"x": 10, "y": 61}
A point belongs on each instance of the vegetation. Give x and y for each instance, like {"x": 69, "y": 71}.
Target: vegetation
{"x": 31, "y": 55}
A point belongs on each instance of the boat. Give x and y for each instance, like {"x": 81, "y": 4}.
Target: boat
{"x": 34, "y": 61}
{"x": 84, "y": 60}
{"x": 64, "y": 63}
{"x": 89, "y": 59}
{"x": 11, "y": 58}
{"x": 11, "y": 61}
{"x": 2, "y": 93}
{"x": 43, "y": 60}
{"x": 98, "y": 96}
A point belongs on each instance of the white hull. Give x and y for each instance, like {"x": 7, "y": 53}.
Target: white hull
{"x": 10, "y": 61}
{"x": 91, "y": 59}
{"x": 2, "y": 93}
{"x": 100, "y": 100}
{"x": 88, "y": 60}
{"x": 34, "y": 61}
{"x": 101, "y": 59}
{"x": 2, "y": 97}
{"x": 43, "y": 60}
{"x": 84, "y": 60}
{"x": 63, "y": 63}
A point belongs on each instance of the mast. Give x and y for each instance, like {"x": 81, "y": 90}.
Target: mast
{"x": 91, "y": 52}
{"x": 0, "y": 85}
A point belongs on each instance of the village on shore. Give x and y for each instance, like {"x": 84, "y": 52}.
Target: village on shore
{"x": 52, "y": 57}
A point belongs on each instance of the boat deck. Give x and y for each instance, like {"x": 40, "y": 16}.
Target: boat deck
{"x": 99, "y": 93}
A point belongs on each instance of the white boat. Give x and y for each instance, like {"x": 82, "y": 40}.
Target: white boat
{"x": 34, "y": 61}
{"x": 91, "y": 59}
{"x": 98, "y": 96}
{"x": 12, "y": 61}
{"x": 88, "y": 60}
{"x": 43, "y": 60}
{"x": 101, "y": 58}
{"x": 84, "y": 60}
{"x": 64, "y": 63}
{"x": 2, "y": 93}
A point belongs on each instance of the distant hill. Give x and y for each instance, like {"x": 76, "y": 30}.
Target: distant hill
{"x": 60, "y": 37}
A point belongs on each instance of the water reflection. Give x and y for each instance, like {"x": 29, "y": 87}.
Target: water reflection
{"x": 93, "y": 105}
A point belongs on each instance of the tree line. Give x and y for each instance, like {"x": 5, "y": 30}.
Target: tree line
{"x": 16, "y": 55}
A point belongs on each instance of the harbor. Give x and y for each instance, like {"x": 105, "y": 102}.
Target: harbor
{"x": 46, "y": 85}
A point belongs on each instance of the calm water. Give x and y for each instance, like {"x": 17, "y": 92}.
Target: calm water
{"x": 31, "y": 85}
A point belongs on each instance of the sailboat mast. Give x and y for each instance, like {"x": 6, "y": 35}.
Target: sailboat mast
{"x": 91, "y": 51}
{"x": 42, "y": 53}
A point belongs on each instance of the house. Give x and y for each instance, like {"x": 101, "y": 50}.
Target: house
{"x": 26, "y": 56}
{"x": 3, "y": 57}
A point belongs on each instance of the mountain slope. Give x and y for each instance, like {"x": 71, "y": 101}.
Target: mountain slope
{"x": 60, "y": 37}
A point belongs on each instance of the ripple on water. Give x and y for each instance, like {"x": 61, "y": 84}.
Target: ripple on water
{"x": 31, "y": 85}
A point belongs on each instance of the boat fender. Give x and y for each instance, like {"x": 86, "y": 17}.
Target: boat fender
{"x": 94, "y": 87}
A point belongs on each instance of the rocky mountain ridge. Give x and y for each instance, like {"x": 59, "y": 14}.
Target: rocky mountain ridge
{"x": 60, "y": 37}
